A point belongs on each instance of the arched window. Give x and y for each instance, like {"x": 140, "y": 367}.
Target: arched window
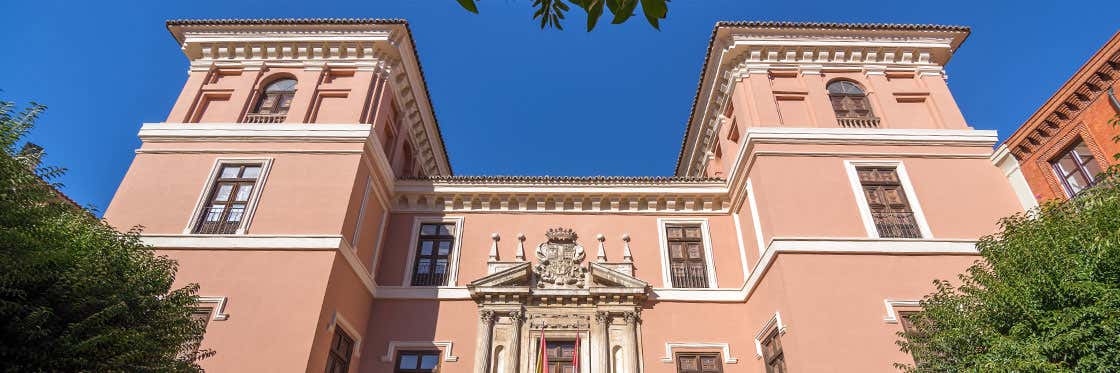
{"x": 274, "y": 101}
{"x": 850, "y": 104}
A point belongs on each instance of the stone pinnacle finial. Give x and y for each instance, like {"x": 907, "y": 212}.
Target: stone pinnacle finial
{"x": 602, "y": 255}
{"x": 494, "y": 247}
{"x": 626, "y": 256}
{"x": 520, "y": 255}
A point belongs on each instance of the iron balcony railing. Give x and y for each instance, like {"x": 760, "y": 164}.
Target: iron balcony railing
{"x": 220, "y": 220}
{"x": 689, "y": 275}
{"x": 424, "y": 277}
{"x": 896, "y": 225}
{"x": 265, "y": 118}
{"x": 858, "y": 122}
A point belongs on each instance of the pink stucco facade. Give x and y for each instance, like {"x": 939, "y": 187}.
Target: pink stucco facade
{"x": 792, "y": 245}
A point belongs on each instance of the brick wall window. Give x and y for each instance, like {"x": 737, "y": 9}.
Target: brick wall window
{"x": 689, "y": 362}
{"x": 887, "y": 201}
{"x": 228, "y": 199}
{"x": 772, "y": 355}
{"x": 342, "y": 347}
{"x": 688, "y": 268}
{"x": 1076, "y": 168}
{"x": 433, "y": 254}
{"x": 417, "y": 362}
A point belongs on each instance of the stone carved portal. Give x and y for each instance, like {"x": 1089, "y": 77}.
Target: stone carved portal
{"x": 563, "y": 299}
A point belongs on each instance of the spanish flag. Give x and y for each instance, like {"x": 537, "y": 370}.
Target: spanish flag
{"x": 575, "y": 356}
{"x": 542, "y": 356}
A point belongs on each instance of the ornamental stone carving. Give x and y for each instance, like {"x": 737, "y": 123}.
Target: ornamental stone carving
{"x": 561, "y": 261}
{"x": 577, "y": 322}
{"x": 486, "y": 316}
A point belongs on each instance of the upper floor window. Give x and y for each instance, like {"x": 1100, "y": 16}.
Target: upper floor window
{"x": 432, "y": 261}
{"x": 561, "y": 356}
{"x": 890, "y": 208}
{"x": 417, "y": 362}
{"x": 699, "y": 363}
{"x": 850, "y": 103}
{"x": 274, "y": 102}
{"x": 772, "y": 355}
{"x": 688, "y": 267}
{"x": 228, "y": 199}
{"x": 1076, "y": 168}
{"x": 342, "y": 347}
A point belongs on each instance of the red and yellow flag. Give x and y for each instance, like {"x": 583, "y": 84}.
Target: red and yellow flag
{"x": 575, "y": 356}
{"x": 542, "y": 356}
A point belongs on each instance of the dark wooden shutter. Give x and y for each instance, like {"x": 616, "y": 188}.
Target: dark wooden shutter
{"x": 688, "y": 268}
{"x": 888, "y": 203}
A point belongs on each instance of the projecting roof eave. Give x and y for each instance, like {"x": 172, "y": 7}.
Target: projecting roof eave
{"x": 176, "y": 28}
{"x": 962, "y": 31}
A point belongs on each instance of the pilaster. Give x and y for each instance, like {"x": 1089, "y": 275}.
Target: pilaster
{"x": 485, "y": 336}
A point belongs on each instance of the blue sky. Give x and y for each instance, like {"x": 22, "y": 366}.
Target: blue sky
{"x": 511, "y": 98}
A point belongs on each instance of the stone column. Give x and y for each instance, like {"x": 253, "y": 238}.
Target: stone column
{"x": 485, "y": 336}
{"x": 602, "y": 342}
{"x": 630, "y": 341}
{"x": 514, "y": 353}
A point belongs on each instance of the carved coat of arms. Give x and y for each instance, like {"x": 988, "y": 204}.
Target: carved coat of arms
{"x": 560, "y": 260}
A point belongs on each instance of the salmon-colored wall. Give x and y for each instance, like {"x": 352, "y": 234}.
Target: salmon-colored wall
{"x": 347, "y": 299}
{"x": 421, "y": 320}
{"x": 643, "y": 230}
{"x": 821, "y": 203}
{"x": 274, "y": 300}
{"x": 832, "y": 306}
{"x": 302, "y": 193}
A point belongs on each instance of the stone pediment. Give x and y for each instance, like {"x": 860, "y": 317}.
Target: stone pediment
{"x": 604, "y": 276}
{"x": 516, "y": 277}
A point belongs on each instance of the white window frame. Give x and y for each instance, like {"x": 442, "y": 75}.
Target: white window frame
{"x": 208, "y": 185}
{"x": 892, "y": 314}
{"x": 453, "y": 271}
{"x": 907, "y": 188}
{"x": 444, "y": 347}
{"x": 706, "y": 237}
{"x": 217, "y": 307}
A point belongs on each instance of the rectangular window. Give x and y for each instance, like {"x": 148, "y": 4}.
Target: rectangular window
{"x": 198, "y": 315}
{"x": 699, "y": 363}
{"x": 342, "y": 346}
{"x": 433, "y": 254}
{"x": 1076, "y": 168}
{"x": 228, "y": 199}
{"x": 888, "y": 203}
{"x": 417, "y": 362}
{"x": 772, "y": 354}
{"x": 561, "y": 355}
{"x": 687, "y": 265}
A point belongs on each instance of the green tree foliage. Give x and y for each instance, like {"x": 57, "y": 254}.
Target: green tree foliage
{"x": 1046, "y": 297}
{"x": 551, "y": 13}
{"x": 76, "y": 295}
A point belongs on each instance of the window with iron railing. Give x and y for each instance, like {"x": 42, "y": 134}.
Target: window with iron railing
{"x": 273, "y": 103}
{"x": 890, "y": 208}
{"x": 688, "y": 268}
{"x": 849, "y": 101}
{"x": 228, "y": 199}
{"x": 433, "y": 254}
{"x": 1076, "y": 168}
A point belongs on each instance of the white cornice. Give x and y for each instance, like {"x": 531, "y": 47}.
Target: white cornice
{"x": 875, "y": 136}
{"x": 245, "y": 132}
{"x": 241, "y": 242}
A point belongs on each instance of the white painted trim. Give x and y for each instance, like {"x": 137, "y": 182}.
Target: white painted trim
{"x": 727, "y": 295}
{"x": 664, "y": 244}
{"x": 774, "y": 322}
{"x": 338, "y": 320}
{"x": 445, "y": 348}
{"x": 193, "y": 132}
{"x": 1006, "y": 162}
{"x": 742, "y": 247}
{"x": 871, "y": 245}
{"x": 361, "y": 213}
{"x": 907, "y": 187}
{"x": 254, "y": 198}
{"x": 892, "y": 316}
{"x": 242, "y": 242}
{"x": 723, "y": 347}
{"x": 422, "y": 292}
{"x": 219, "y": 309}
{"x": 453, "y": 271}
{"x": 430, "y": 187}
{"x": 845, "y": 135}
{"x": 380, "y": 245}
{"x": 755, "y": 217}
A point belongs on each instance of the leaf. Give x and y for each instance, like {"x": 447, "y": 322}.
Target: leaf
{"x": 624, "y": 12}
{"x": 469, "y": 5}
{"x": 655, "y": 10}
{"x": 594, "y": 11}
